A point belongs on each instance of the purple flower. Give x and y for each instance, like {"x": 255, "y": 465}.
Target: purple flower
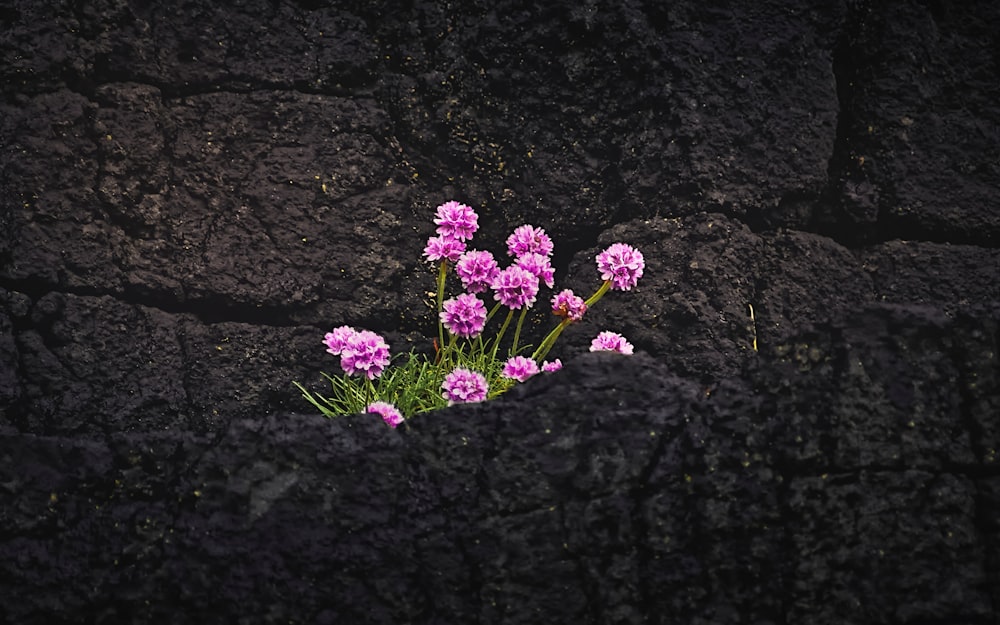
{"x": 387, "y": 411}
{"x": 539, "y": 265}
{"x": 520, "y": 368}
{"x": 337, "y": 340}
{"x": 555, "y": 365}
{"x": 515, "y": 287}
{"x": 365, "y": 352}
{"x": 611, "y": 342}
{"x": 568, "y": 306}
{"x": 443, "y": 248}
{"x": 462, "y": 385}
{"x": 464, "y": 315}
{"x": 622, "y": 264}
{"x": 477, "y": 270}
{"x": 529, "y": 239}
{"x": 456, "y": 221}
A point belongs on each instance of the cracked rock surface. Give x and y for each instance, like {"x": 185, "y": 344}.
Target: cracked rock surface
{"x": 191, "y": 195}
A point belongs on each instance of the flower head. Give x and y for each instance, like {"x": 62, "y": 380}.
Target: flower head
{"x": 443, "y": 248}
{"x": 538, "y": 264}
{"x": 337, "y": 340}
{"x": 568, "y": 306}
{"x": 387, "y": 411}
{"x": 456, "y": 221}
{"x": 462, "y": 385}
{"x": 464, "y": 315}
{"x": 515, "y": 287}
{"x": 365, "y": 352}
{"x": 520, "y": 368}
{"x": 477, "y": 270}
{"x": 529, "y": 239}
{"x": 611, "y": 342}
{"x": 622, "y": 264}
{"x": 555, "y": 365}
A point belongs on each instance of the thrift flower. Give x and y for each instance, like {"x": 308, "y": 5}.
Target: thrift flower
{"x": 539, "y": 265}
{"x": 387, "y": 411}
{"x": 529, "y": 239}
{"x": 456, "y": 221}
{"x": 464, "y": 315}
{"x": 555, "y": 365}
{"x": 568, "y": 306}
{"x": 462, "y": 386}
{"x": 337, "y": 340}
{"x": 477, "y": 270}
{"x": 611, "y": 342}
{"x": 365, "y": 352}
{"x": 515, "y": 287}
{"x": 443, "y": 248}
{"x": 520, "y": 368}
{"x": 622, "y": 264}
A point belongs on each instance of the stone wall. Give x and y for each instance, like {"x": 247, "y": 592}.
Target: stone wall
{"x": 191, "y": 195}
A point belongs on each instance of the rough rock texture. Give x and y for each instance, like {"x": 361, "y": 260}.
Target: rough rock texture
{"x": 190, "y": 195}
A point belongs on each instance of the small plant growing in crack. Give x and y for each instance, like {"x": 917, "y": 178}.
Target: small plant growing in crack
{"x": 466, "y": 365}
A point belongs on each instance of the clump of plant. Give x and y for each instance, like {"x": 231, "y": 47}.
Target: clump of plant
{"x": 470, "y": 364}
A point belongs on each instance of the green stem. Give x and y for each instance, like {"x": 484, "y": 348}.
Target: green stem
{"x": 371, "y": 394}
{"x": 517, "y": 330}
{"x": 442, "y": 274}
{"x": 549, "y": 341}
{"x": 478, "y": 348}
{"x": 446, "y": 351}
{"x": 492, "y": 312}
{"x": 598, "y": 294}
{"x": 503, "y": 328}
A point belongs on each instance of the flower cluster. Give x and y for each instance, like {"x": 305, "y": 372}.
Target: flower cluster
{"x": 464, "y": 386}
{"x": 466, "y": 366}
{"x": 464, "y": 316}
{"x": 477, "y": 270}
{"x": 611, "y": 342}
{"x": 568, "y": 306}
{"x": 519, "y": 368}
{"x": 387, "y": 411}
{"x": 515, "y": 287}
{"x": 360, "y": 351}
{"x": 621, "y": 264}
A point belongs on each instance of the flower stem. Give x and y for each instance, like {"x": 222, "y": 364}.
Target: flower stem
{"x": 598, "y": 294}
{"x": 503, "y": 328}
{"x": 517, "y": 330}
{"x": 549, "y": 341}
{"x": 493, "y": 311}
{"x": 442, "y": 274}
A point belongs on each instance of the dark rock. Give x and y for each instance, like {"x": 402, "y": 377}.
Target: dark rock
{"x": 191, "y": 195}
{"x": 610, "y": 491}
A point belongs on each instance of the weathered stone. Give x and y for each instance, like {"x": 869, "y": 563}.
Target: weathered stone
{"x": 190, "y": 196}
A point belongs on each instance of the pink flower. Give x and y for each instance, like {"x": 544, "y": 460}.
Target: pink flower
{"x": 539, "y": 265}
{"x": 464, "y": 315}
{"x": 337, "y": 340}
{"x": 611, "y": 342}
{"x": 515, "y": 287}
{"x": 622, "y": 264}
{"x": 462, "y": 386}
{"x": 555, "y": 365}
{"x": 529, "y": 239}
{"x": 520, "y": 368}
{"x": 387, "y": 411}
{"x": 365, "y": 352}
{"x": 568, "y": 306}
{"x": 477, "y": 270}
{"x": 456, "y": 221}
{"x": 443, "y": 248}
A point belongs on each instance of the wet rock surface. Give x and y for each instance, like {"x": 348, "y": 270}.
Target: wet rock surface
{"x": 191, "y": 196}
